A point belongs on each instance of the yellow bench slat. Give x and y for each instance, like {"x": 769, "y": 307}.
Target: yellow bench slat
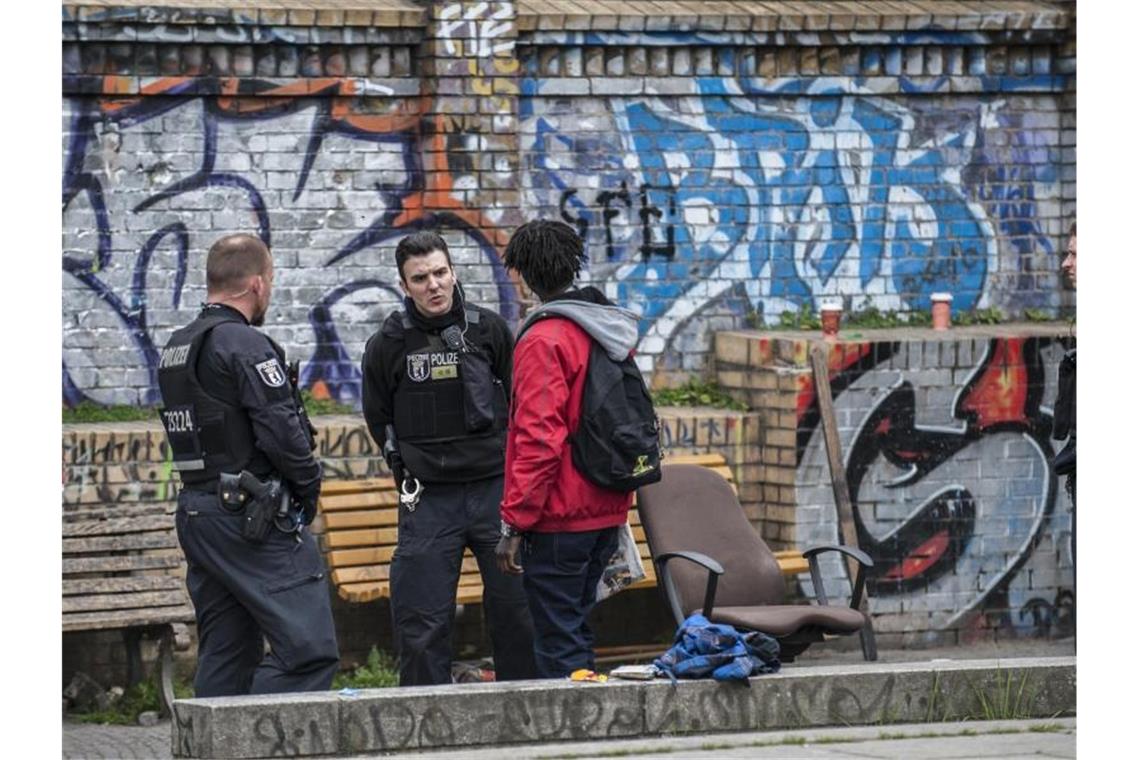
{"x": 351, "y": 501}
{"x": 366, "y": 537}
{"x": 335, "y": 487}
{"x": 704, "y": 460}
{"x": 373, "y": 518}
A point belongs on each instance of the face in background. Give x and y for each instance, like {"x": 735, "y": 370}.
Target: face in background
{"x": 430, "y": 282}
{"x": 265, "y": 283}
{"x": 1069, "y": 263}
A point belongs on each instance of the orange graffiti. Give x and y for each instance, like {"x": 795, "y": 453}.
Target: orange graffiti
{"x": 999, "y": 395}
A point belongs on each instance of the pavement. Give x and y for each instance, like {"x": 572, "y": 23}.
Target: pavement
{"x": 939, "y": 741}
{"x": 1010, "y": 740}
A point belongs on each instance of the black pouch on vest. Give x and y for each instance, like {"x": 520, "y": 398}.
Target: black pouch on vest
{"x": 480, "y": 386}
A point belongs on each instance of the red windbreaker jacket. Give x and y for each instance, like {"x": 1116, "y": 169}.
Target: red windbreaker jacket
{"x": 543, "y": 491}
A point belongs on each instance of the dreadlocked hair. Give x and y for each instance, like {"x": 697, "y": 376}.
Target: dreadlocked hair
{"x": 547, "y": 253}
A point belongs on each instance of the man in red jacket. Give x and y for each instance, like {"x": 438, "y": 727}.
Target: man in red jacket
{"x": 566, "y": 526}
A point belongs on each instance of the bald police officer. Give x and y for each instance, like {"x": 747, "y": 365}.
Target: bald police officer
{"x": 230, "y": 406}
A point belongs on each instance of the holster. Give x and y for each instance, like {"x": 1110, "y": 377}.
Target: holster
{"x": 260, "y": 502}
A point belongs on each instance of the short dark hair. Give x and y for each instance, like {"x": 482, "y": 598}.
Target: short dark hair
{"x": 1073, "y": 228}
{"x": 234, "y": 258}
{"x": 547, "y": 253}
{"x": 419, "y": 244}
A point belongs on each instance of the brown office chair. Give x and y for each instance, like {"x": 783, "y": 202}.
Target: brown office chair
{"x": 730, "y": 574}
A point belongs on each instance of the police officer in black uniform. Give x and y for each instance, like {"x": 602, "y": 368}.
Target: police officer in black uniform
{"x": 437, "y": 376}
{"x": 230, "y": 406}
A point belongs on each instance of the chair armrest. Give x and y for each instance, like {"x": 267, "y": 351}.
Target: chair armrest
{"x": 857, "y": 586}
{"x": 863, "y": 558}
{"x": 715, "y": 571}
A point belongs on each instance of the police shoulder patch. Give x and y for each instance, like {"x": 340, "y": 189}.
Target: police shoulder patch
{"x": 271, "y": 373}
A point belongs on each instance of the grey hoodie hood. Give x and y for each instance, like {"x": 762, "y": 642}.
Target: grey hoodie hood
{"x": 612, "y": 326}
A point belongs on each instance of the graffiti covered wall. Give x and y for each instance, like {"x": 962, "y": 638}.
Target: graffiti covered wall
{"x": 710, "y": 201}
{"x": 947, "y": 449}
{"x": 313, "y": 133}
{"x": 723, "y": 170}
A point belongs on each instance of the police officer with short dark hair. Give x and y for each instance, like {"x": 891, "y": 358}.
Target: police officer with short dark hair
{"x": 232, "y": 411}
{"x": 437, "y": 373}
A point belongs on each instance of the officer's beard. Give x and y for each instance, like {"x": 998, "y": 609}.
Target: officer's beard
{"x": 258, "y": 319}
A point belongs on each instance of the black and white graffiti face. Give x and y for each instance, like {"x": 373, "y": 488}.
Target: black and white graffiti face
{"x": 950, "y": 483}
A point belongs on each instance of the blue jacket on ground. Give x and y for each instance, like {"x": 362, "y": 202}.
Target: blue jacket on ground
{"x": 701, "y": 649}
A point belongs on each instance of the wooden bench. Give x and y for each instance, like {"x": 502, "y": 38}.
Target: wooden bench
{"x": 116, "y": 576}
{"x": 357, "y": 522}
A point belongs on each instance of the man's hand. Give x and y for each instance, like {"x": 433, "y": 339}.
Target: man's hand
{"x": 505, "y": 552}
{"x": 306, "y": 508}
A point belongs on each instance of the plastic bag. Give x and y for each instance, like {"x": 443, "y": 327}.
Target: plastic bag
{"x": 624, "y": 568}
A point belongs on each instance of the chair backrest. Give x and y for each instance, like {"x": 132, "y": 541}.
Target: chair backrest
{"x": 695, "y": 509}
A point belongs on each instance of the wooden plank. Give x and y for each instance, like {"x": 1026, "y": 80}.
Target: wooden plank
{"x": 369, "y": 556}
{"x": 704, "y": 460}
{"x": 127, "y": 601}
{"x": 791, "y": 562}
{"x": 369, "y": 537}
{"x": 95, "y": 621}
{"x": 839, "y": 488}
{"x": 847, "y": 534}
{"x": 364, "y": 500}
{"x": 119, "y": 585}
{"x": 120, "y": 564}
{"x": 347, "y": 576}
{"x": 380, "y": 571}
{"x": 131, "y": 542}
{"x": 117, "y": 526}
{"x": 336, "y": 487}
{"x": 133, "y": 510}
{"x": 360, "y": 593}
{"x": 374, "y": 518}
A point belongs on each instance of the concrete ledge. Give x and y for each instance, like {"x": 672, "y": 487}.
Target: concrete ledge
{"x": 376, "y": 720}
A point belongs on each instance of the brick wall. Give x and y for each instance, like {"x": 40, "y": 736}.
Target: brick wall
{"x": 946, "y": 445}
{"x": 725, "y": 163}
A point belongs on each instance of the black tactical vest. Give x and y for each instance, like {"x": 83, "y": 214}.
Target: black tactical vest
{"x": 207, "y": 435}
{"x": 428, "y": 403}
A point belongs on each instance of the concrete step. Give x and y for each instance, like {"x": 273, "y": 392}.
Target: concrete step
{"x": 472, "y": 715}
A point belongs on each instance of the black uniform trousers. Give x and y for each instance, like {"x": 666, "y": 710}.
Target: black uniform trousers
{"x": 245, "y": 594}
{"x": 425, "y": 574}
{"x": 560, "y": 574}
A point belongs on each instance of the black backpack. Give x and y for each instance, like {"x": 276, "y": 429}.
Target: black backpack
{"x": 617, "y": 444}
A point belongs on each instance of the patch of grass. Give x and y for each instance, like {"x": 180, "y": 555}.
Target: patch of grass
{"x": 1007, "y": 701}
{"x": 697, "y": 393}
{"x": 869, "y": 317}
{"x": 1037, "y": 315}
{"x": 378, "y": 672}
{"x": 988, "y": 316}
{"x": 1047, "y": 728}
{"x": 140, "y": 698}
{"x": 320, "y": 406}
{"x": 89, "y": 411}
{"x": 804, "y": 319}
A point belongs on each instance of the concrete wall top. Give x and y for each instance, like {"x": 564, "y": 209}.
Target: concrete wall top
{"x": 602, "y": 15}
